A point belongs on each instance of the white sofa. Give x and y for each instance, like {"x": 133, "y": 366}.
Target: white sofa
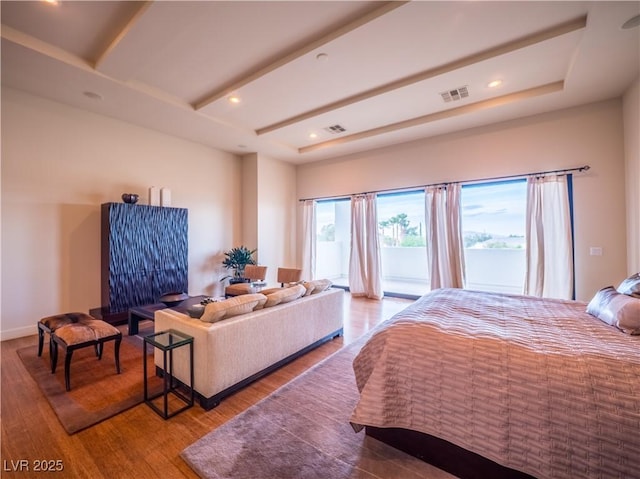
{"x": 231, "y": 353}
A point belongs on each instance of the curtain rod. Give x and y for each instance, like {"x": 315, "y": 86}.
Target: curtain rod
{"x": 443, "y": 183}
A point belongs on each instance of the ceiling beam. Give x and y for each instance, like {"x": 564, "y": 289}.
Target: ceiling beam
{"x": 529, "y": 40}
{"x": 123, "y": 33}
{"x": 44, "y": 48}
{"x": 289, "y": 57}
{"x": 441, "y": 115}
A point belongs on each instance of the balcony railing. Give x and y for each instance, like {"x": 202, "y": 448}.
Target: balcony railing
{"x": 405, "y": 269}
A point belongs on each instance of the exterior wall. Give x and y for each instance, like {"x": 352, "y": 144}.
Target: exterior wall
{"x": 631, "y": 114}
{"x": 588, "y": 135}
{"x": 59, "y": 164}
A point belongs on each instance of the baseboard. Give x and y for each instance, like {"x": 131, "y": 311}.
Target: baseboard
{"x": 18, "y": 332}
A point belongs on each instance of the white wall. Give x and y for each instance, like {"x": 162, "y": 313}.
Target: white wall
{"x": 58, "y": 165}
{"x": 276, "y": 207}
{"x": 249, "y": 236}
{"x": 589, "y": 135}
{"x": 631, "y": 115}
{"x": 268, "y": 212}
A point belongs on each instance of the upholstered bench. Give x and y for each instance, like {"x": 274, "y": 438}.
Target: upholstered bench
{"x": 78, "y": 335}
{"x": 51, "y": 323}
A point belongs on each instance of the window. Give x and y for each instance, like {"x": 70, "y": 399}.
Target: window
{"x": 493, "y": 228}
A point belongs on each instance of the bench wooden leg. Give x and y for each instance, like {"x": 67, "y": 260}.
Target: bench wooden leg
{"x": 116, "y": 352}
{"x": 67, "y": 369}
{"x": 53, "y": 349}
{"x": 40, "y": 340}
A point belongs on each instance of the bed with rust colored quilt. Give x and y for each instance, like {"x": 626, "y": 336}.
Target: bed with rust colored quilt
{"x": 535, "y": 385}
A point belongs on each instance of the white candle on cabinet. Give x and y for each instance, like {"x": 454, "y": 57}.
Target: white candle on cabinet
{"x": 165, "y": 197}
{"x": 154, "y": 196}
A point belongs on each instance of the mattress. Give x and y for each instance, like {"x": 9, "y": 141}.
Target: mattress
{"x": 537, "y": 385}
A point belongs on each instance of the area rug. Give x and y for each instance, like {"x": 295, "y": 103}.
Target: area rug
{"x": 302, "y": 431}
{"x": 97, "y": 392}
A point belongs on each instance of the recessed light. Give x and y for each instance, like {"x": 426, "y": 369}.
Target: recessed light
{"x": 234, "y": 99}
{"x": 494, "y": 83}
{"x": 322, "y": 57}
{"x": 313, "y": 135}
{"x": 51, "y": 2}
{"x": 631, "y": 23}
{"x": 93, "y": 95}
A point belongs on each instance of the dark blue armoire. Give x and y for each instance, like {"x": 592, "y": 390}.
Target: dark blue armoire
{"x": 144, "y": 254}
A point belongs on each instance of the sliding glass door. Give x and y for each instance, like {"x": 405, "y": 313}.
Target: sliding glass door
{"x": 402, "y": 239}
{"x": 403, "y": 243}
{"x": 493, "y": 227}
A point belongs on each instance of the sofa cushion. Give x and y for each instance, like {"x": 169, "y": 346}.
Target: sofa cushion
{"x": 320, "y": 285}
{"x": 309, "y": 287}
{"x": 232, "y": 307}
{"x": 268, "y": 291}
{"x": 285, "y": 295}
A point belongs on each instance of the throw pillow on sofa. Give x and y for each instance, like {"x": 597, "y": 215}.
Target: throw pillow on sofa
{"x": 320, "y": 285}
{"x": 268, "y": 291}
{"x": 309, "y": 287}
{"x": 316, "y": 286}
{"x": 285, "y": 295}
{"x": 232, "y": 307}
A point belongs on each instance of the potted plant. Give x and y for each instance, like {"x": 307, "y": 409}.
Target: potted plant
{"x": 236, "y": 259}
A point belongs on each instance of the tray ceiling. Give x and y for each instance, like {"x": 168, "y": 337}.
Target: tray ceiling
{"x": 378, "y": 70}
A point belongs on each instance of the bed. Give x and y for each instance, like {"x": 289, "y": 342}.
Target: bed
{"x": 529, "y": 387}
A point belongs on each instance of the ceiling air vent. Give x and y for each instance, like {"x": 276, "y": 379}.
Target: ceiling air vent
{"x": 335, "y": 129}
{"x": 455, "y": 94}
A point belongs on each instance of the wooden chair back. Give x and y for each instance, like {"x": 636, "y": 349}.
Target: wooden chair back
{"x": 288, "y": 275}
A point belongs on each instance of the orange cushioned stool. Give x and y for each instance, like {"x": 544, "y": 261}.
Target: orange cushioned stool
{"x": 78, "y": 335}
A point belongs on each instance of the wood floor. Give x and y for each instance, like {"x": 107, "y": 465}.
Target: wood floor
{"x": 138, "y": 443}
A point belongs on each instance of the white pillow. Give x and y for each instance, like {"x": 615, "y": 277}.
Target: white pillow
{"x": 309, "y": 287}
{"x": 616, "y": 309}
{"x": 232, "y": 307}
{"x": 285, "y": 295}
{"x": 320, "y": 285}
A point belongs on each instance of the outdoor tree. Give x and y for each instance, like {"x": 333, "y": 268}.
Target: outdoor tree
{"x": 399, "y": 229}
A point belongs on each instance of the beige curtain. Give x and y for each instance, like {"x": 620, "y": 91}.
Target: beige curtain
{"x": 549, "y": 263}
{"x": 365, "y": 276}
{"x": 444, "y": 236}
{"x": 309, "y": 240}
